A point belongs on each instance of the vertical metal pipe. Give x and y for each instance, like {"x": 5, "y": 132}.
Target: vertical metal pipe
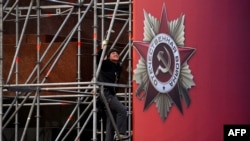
{"x": 103, "y": 29}
{"x": 79, "y": 64}
{"x": 130, "y": 69}
{"x": 94, "y": 72}
{"x": 17, "y": 81}
{"x": 102, "y": 133}
{"x": 38, "y": 11}
{"x": 1, "y": 67}
{"x": 102, "y": 20}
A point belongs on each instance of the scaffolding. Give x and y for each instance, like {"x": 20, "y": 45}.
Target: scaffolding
{"x": 37, "y": 89}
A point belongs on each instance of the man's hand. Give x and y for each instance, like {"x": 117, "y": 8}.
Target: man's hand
{"x": 104, "y": 43}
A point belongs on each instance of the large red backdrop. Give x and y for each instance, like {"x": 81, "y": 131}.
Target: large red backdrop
{"x": 219, "y": 30}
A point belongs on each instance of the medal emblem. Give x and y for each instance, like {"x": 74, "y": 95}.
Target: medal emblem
{"x": 162, "y": 72}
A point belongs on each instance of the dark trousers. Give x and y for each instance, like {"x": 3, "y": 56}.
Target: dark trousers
{"x": 119, "y": 112}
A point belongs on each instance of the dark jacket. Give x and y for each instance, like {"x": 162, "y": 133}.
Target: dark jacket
{"x": 109, "y": 73}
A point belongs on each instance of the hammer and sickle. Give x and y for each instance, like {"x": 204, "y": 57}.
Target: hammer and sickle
{"x": 167, "y": 64}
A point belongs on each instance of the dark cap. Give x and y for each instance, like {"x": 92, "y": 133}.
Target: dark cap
{"x": 112, "y": 50}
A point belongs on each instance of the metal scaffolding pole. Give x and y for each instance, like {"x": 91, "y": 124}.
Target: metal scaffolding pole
{"x": 38, "y": 11}
{"x": 130, "y": 70}
{"x": 17, "y": 78}
{"x": 1, "y": 68}
{"x": 94, "y": 72}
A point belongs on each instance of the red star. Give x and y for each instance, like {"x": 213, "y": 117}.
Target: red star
{"x": 185, "y": 54}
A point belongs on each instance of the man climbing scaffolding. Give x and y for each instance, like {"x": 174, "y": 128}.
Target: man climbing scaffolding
{"x": 109, "y": 73}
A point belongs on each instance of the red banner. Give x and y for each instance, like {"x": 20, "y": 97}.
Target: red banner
{"x": 212, "y": 42}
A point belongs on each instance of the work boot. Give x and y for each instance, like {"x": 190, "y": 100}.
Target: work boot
{"x": 121, "y": 137}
